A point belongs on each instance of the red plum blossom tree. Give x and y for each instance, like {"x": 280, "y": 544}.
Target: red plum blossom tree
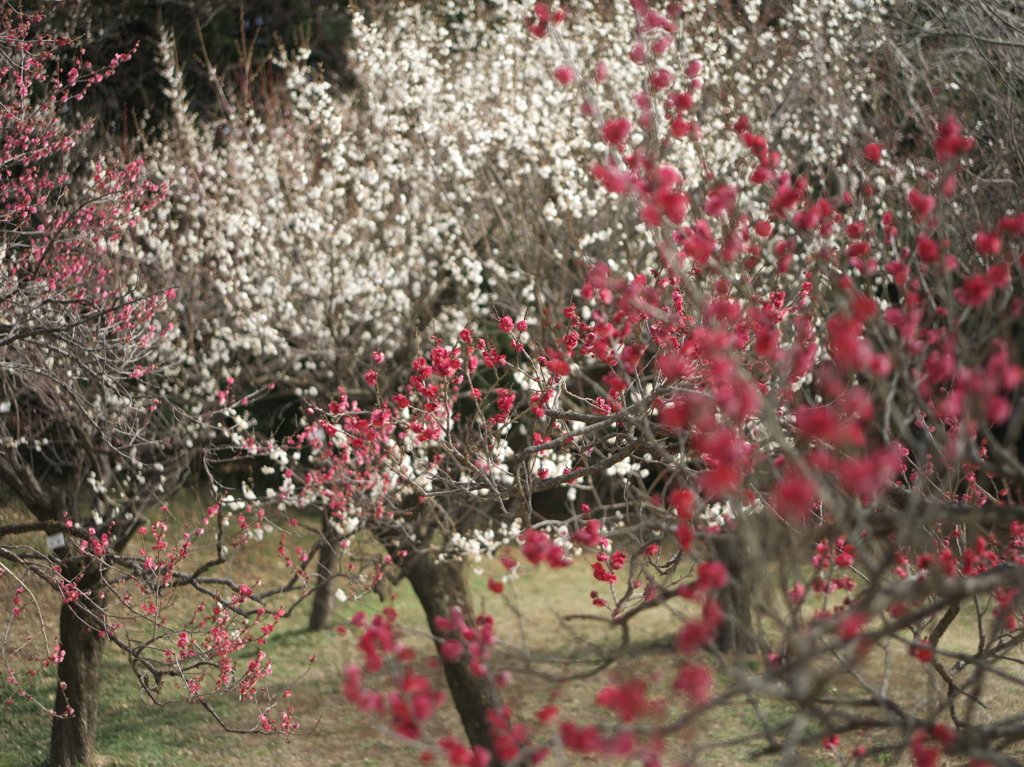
{"x": 793, "y": 426}
{"x": 87, "y": 445}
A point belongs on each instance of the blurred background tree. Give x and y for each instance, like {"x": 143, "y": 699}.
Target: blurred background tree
{"x": 236, "y": 39}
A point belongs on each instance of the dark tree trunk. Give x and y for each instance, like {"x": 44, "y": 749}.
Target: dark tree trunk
{"x": 440, "y": 586}
{"x": 737, "y": 631}
{"x": 323, "y": 597}
{"x": 73, "y": 737}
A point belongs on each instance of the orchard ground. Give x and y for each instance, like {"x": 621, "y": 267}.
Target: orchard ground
{"x": 135, "y": 733}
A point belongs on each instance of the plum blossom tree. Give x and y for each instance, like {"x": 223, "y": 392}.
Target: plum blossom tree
{"x": 313, "y": 228}
{"x": 86, "y": 444}
{"x": 76, "y": 334}
{"x": 826, "y": 381}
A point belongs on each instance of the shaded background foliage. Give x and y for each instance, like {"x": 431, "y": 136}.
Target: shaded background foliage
{"x": 235, "y": 38}
{"x": 964, "y": 57}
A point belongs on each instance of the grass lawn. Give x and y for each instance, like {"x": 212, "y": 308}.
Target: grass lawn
{"x": 135, "y": 733}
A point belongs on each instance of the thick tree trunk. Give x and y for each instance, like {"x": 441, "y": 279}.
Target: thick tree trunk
{"x": 440, "y": 586}
{"x": 323, "y": 597}
{"x": 73, "y": 736}
{"x": 737, "y": 631}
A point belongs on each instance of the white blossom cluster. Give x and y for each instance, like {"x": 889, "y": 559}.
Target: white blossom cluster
{"x": 300, "y": 244}
{"x": 476, "y": 545}
{"x": 802, "y": 73}
{"x": 306, "y": 232}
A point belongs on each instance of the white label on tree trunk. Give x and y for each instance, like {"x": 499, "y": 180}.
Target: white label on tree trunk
{"x": 55, "y": 541}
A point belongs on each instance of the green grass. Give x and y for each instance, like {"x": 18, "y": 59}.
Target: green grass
{"x": 135, "y": 733}
{"x": 130, "y": 732}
